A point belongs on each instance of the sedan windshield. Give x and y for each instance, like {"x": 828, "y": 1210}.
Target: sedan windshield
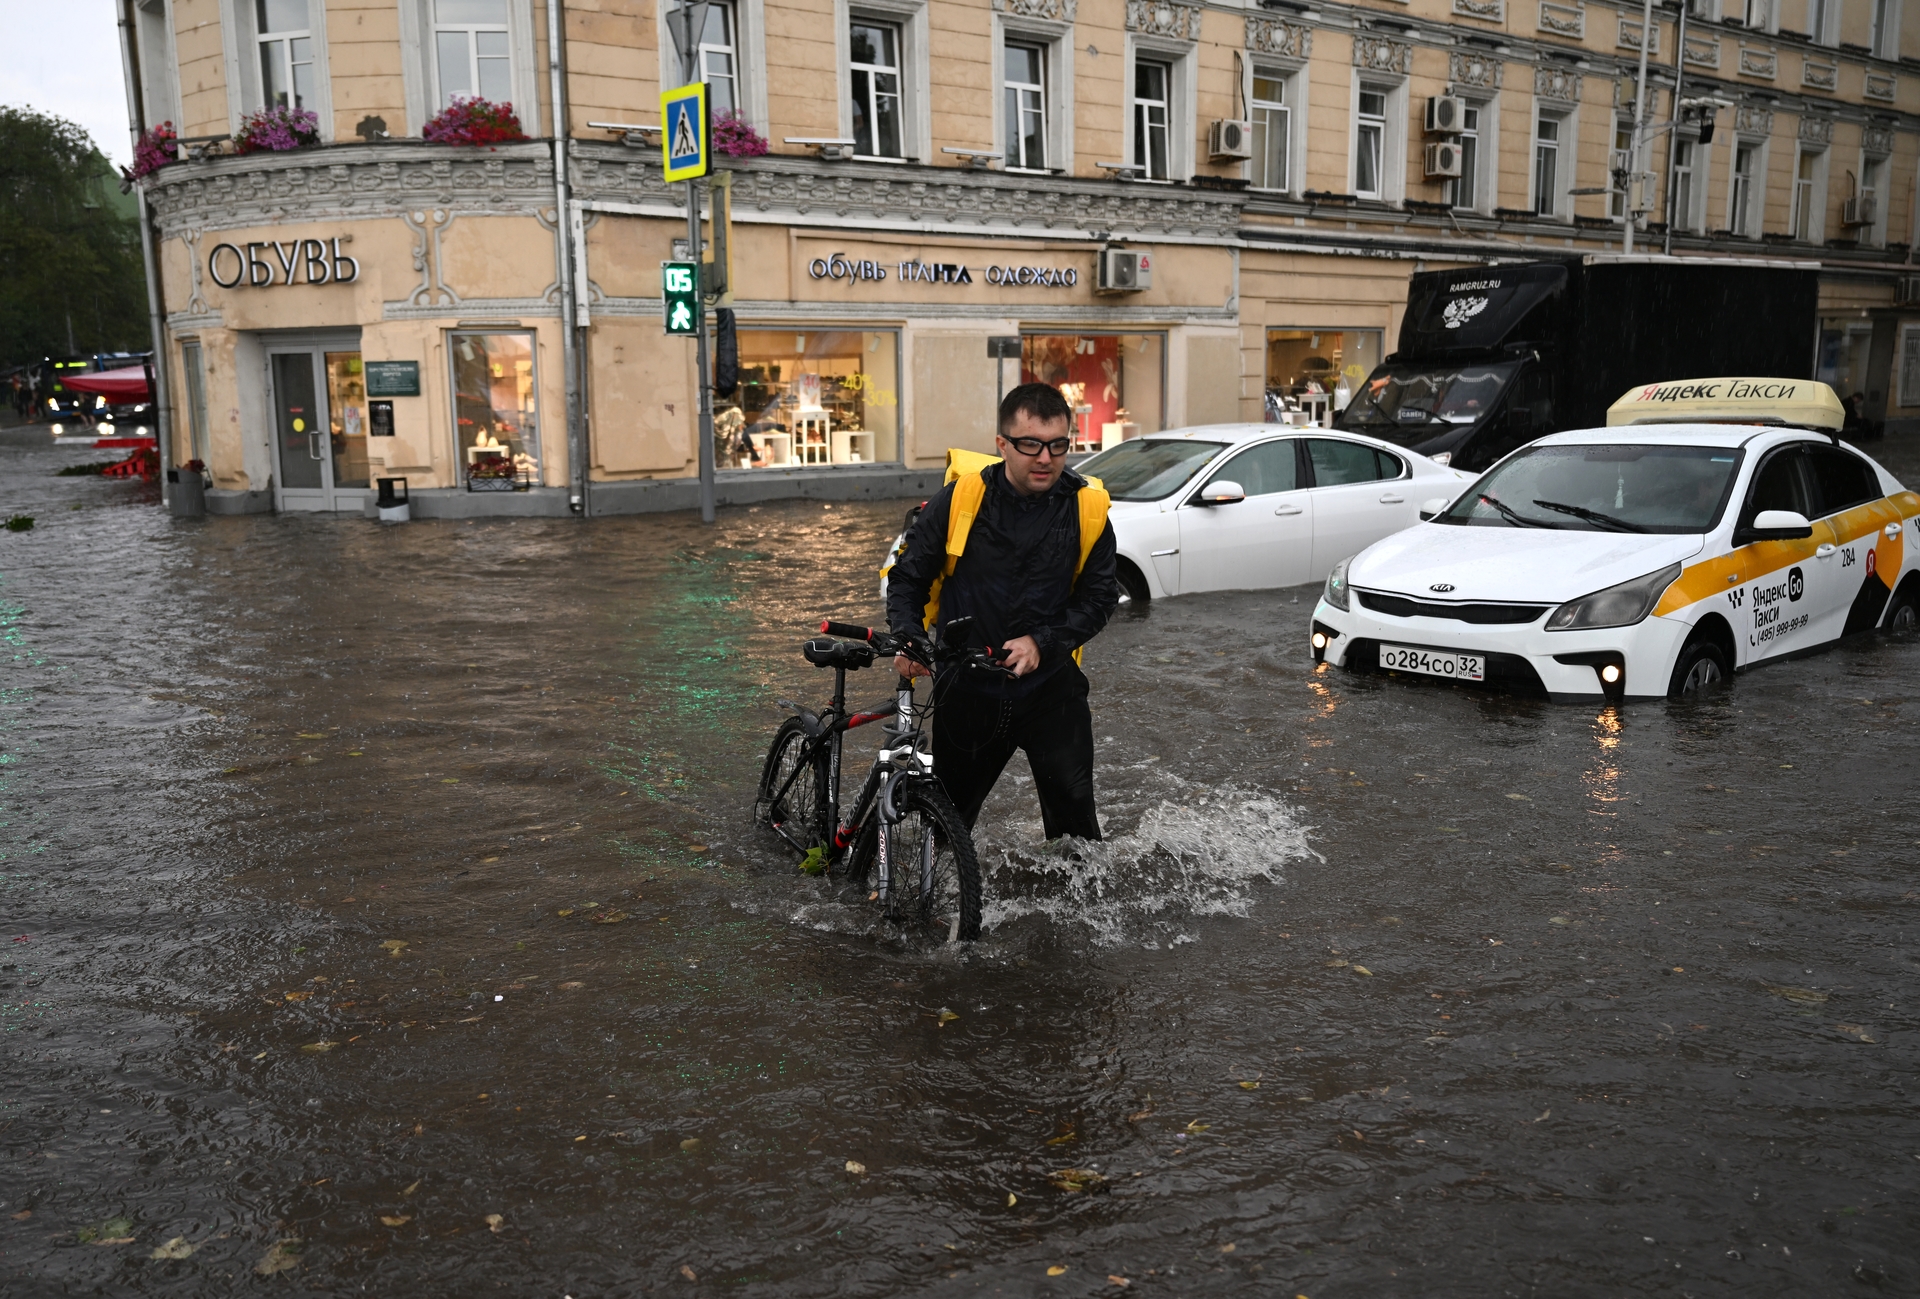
{"x": 1408, "y": 406}
{"x": 1602, "y": 489}
{"x": 1148, "y": 469}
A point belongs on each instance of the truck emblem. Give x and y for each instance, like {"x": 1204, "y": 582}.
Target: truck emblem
{"x": 1461, "y": 310}
{"x": 1442, "y": 587}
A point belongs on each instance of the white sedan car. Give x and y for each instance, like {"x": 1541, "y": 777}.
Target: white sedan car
{"x": 1247, "y": 506}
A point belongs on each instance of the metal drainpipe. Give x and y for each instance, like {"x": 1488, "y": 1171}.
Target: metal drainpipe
{"x": 149, "y": 259}
{"x": 569, "y": 341}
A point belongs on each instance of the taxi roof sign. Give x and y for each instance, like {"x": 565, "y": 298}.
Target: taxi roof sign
{"x": 686, "y": 136}
{"x": 1795, "y": 403}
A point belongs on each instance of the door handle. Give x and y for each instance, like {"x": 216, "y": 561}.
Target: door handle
{"x": 1824, "y": 552}
{"x": 1286, "y": 509}
{"x": 1391, "y": 499}
{"x": 313, "y": 445}
{"x": 1159, "y": 554}
{"x": 1893, "y": 529}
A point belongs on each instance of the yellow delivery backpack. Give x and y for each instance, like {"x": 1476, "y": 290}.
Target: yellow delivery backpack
{"x": 964, "y": 469}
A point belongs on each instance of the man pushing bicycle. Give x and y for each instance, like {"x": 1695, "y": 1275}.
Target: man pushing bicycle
{"x": 1024, "y": 549}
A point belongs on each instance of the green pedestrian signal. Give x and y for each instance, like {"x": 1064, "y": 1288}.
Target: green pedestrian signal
{"x": 680, "y": 288}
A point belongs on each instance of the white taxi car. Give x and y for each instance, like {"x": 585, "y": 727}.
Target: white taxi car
{"x": 1713, "y": 525}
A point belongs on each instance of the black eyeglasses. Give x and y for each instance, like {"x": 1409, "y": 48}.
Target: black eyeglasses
{"x": 1031, "y": 446}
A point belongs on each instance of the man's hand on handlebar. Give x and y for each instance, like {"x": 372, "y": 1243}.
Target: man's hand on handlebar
{"x": 908, "y": 667}
{"x": 1020, "y": 655}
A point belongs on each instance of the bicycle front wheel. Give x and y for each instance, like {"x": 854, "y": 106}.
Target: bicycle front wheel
{"x": 933, "y": 877}
{"x": 793, "y": 795}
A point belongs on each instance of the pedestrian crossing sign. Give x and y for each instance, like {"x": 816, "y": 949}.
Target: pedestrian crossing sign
{"x": 686, "y": 137}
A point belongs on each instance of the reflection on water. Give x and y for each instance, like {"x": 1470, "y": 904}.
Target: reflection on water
{"x": 381, "y": 913}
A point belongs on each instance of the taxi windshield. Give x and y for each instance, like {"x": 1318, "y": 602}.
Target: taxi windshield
{"x": 1407, "y": 406}
{"x": 1148, "y": 469}
{"x": 1615, "y": 488}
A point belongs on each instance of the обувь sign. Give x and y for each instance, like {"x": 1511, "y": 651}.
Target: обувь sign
{"x": 298, "y": 261}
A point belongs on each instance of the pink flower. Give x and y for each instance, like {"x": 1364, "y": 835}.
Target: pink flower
{"x": 734, "y": 136}
{"x": 277, "y": 129}
{"x": 156, "y": 148}
{"x": 474, "y": 122}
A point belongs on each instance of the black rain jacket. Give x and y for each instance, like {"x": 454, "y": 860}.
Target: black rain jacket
{"x": 1015, "y": 577}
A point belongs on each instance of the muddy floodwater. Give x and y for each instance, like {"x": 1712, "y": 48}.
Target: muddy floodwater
{"x": 382, "y": 914}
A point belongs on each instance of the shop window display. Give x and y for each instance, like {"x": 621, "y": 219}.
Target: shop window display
{"x": 1114, "y": 382}
{"x": 811, "y": 397}
{"x": 347, "y": 416}
{"x": 495, "y": 410}
{"x": 1313, "y": 373}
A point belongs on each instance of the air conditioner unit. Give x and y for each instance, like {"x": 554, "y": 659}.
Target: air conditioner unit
{"x": 1122, "y": 270}
{"x": 1446, "y": 115}
{"x": 1228, "y": 138}
{"x": 1907, "y": 292}
{"x": 1861, "y": 211}
{"x": 1443, "y": 160}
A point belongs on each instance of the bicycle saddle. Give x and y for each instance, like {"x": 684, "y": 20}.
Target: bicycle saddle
{"x": 848, "y": 654}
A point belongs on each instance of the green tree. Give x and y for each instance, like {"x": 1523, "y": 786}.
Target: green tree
{"x": 71, "y": 277}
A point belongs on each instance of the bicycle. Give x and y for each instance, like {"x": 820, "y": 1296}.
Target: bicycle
{"x": 903, "y": 832}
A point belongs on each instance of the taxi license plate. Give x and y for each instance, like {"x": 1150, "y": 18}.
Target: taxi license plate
{"x": 1435, "y": 663}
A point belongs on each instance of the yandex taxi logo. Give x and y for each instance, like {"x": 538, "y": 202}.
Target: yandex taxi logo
{"x": 1795, "y": 403}
{"x": 1736, "y": 389}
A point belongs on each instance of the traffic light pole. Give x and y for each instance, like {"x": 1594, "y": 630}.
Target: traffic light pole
{"x": 702, "y": 360}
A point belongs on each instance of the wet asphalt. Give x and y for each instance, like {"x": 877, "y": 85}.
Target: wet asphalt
{"x": 382, "y": 914}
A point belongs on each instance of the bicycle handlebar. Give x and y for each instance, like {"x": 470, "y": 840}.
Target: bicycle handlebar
{"x": 916, "y": 649}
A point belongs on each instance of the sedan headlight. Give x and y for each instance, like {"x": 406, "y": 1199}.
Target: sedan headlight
{"x": 1617, "y": 606}
{"x": 1336, "y": 594}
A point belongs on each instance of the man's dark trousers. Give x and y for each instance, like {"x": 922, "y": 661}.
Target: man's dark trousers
{"x": 975, "y": 733}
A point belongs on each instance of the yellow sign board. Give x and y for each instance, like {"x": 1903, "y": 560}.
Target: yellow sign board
{"x": 686, "y": 134}
{"x": 1799, "y": 403}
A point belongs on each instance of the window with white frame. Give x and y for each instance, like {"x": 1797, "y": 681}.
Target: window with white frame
{"x": 1152, "y": 118}
{"x": 1703, "y": 9}
{"x": 719, "y": 60}
{"x": 1886, "y": 28}
{"x": 1759, "y": 15}
{"x": 1805, "y": 218}
{"x": 1820, "y": 20}
{"x": 1620, "y": 190}
{"x": 1466, "y": 188}
{"x": 285, "y": 36}
{"x": 1872, "y": 171}
{"x": 1680, "y": 203}
{"x": 1910, "y": 366}
{"x": 1370, "y": 143}
{"x": 1546, "y": 165}
{"x": 1272, "y": 131}
{"x": 878, "y": 127}
{"x": 1024, "y": 69}
{"x": 472, "y": 51}
{"x": 1741, "y": 218}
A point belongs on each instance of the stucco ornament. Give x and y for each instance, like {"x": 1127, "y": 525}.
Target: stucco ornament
{"x": 1058, "y": 11}
{"x": 1275, "y": 36}
{"x": 1380, "y": 54}
{"x": 1472, "y": 69}
{"x": 1551, "y": 81}
{"x": 1164, "y": 18}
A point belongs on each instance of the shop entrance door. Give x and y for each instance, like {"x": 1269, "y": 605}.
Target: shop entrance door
{"x": 319, "y": 398}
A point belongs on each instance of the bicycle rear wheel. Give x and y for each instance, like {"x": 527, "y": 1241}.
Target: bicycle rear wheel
{"x": 793, "y": 789}
{"x": 933, "y": 884}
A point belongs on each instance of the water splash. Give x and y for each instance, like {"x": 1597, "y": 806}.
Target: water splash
{"x": 1202, "y": 852}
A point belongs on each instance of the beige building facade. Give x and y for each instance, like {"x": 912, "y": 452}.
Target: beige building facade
{"x": 952, "y": 189}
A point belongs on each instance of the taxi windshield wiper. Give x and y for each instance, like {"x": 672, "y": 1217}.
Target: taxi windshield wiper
{"x": 1591, "y": 516}
{"x": 1514, "y": 516}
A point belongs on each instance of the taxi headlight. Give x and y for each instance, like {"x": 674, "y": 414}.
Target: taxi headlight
{"x": 1617, "y": 606}
{"x": 1336, "y": 594}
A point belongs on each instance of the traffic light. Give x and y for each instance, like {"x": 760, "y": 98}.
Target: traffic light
{"x": 680, "y": 289}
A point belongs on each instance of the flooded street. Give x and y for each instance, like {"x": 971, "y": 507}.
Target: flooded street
{"x": 382, "y": 913}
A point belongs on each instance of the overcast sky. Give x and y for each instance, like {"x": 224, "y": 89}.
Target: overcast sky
{"x": 65, "y": 61}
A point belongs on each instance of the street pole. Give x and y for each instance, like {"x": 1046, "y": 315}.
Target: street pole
{"x": 160, "y": 391}
{"x": 1673, "y": 122}
{"x": 1634, "y": 181}
{"x": 687, "y": 24}
{"x": 701, "y": 359}
{"x": 570, "y": 334}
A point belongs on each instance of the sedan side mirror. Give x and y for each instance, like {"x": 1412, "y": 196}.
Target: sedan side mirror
{"x": 1221, "y": 491}
{"x": 1776, "y": 525}
{"x": 1430, "y": 508}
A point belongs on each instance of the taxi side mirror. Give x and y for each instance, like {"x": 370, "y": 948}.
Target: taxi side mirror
{"x": 1220, "y": 491}
{"x": 1776, "y": 525}
{"x": 1429, "y": 509}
